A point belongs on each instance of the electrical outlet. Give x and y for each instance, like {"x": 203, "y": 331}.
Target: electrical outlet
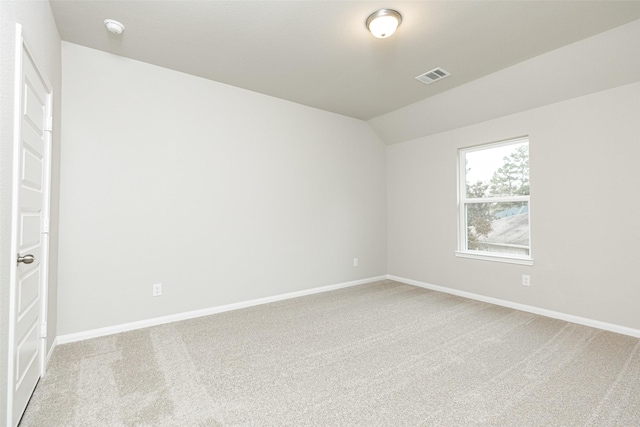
{"x": 526, "y": 280}
{"x": 157, "y": 290}
{"x": 355, "y": 262}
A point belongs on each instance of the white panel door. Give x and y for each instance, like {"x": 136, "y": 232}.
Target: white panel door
{"x": 30, "y": 234}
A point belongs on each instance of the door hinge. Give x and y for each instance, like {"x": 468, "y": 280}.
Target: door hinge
{"x": 49, "y": 127}
{"x": 43, "y": 330}
{"x": 45, "y": 226}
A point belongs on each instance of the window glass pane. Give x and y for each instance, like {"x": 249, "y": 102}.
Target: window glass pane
{"x": 498, "y": 227}
{"x": 498, "y": 171}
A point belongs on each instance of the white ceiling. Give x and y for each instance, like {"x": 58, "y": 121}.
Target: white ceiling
{"x": 319, "y": 53}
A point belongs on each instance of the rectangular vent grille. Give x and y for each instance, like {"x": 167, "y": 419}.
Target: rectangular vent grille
{"x": 433, "y": 75}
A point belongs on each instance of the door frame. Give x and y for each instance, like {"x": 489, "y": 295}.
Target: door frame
{"x": 22, "y": 47}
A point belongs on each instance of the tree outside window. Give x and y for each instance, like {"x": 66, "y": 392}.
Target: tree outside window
{"x": 494, "y": 199}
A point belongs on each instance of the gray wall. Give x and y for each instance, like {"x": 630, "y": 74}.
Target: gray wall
{"x": 585, "y": 213}
{"x": 42, "y": 36}
{"x": 221, "y": 194}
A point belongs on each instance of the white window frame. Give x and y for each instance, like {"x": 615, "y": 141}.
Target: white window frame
{"x": 463, "y": 251}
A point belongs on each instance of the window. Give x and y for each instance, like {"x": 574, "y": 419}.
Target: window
{"x": 494, "y": 202}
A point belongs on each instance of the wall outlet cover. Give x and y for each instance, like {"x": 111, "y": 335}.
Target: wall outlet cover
{"x": 157, "y": 290}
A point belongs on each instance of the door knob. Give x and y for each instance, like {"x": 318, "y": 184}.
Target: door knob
{"x": 27, "y": 259}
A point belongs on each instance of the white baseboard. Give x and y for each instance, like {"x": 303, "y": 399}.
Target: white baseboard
{"x": 110, "y": 330}
{"x": 522, "y": 307}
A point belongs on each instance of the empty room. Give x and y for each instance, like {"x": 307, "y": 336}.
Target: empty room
{"x": 319, "y": 213}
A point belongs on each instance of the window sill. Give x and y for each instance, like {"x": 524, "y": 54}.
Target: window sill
{"x": 494, "y": 257}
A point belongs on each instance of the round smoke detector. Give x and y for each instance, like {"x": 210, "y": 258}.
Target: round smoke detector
{"x": 114, "y": 26}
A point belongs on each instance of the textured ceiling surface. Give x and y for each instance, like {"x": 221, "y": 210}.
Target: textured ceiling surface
{"x": 319, "y": 53}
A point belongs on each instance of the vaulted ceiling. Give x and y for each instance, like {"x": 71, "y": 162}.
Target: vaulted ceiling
{"x": 319, "y": 53}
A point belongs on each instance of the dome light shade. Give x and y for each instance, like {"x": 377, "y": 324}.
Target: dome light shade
{"x": 383, "y": 23}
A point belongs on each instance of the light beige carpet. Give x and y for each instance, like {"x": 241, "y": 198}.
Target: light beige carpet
{"x": 381, "y": 354}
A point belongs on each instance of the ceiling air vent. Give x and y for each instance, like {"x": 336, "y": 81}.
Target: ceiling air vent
{"x": 433, "y": 75}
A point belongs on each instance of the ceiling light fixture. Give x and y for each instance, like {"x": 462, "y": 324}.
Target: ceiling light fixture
{"x": 114, "y": 26}
{"x": 384, "y": 22}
